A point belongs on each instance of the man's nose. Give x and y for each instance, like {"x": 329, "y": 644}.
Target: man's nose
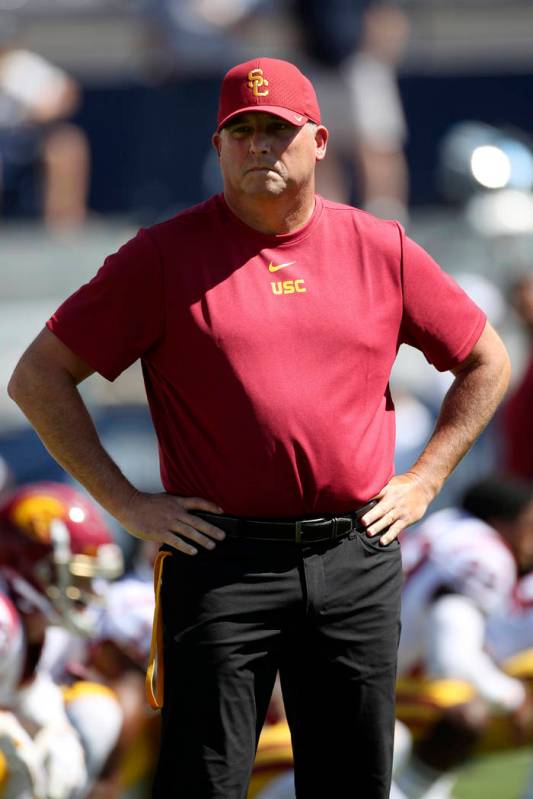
{"x": 259, "y": 142}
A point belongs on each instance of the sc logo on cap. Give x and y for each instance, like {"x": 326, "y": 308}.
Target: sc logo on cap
{"x": 256, "y": 81}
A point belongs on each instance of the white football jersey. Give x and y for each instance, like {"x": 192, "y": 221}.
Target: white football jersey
{"x": 51, "y": 762}
{"x": 511, "y": 631}
{"x": 455, "y": 551}
{"x": 64, "y": 654}
{"x": 523, "y": 596}
{"x": 127, "y": 617}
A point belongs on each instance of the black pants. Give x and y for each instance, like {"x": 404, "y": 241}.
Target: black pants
{"x": 326, "y": 616}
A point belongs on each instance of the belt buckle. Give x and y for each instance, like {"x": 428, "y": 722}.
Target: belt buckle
{"x": 342, "y": 526}
{"x": 330, "y": 532}
{"x": 299, "y": 532}
{"x": 304, "y": 525}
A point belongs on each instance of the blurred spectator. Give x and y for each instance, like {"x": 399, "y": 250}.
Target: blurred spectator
{"x": 197, "y": 36}
{"x": 332, "y": 30}
{"x": 37, "y": 146}
{"x": 380, "y": 125}
{"x": 355, "y": 47}
{"x": 331, "y": 35}
{"x": 517, "y": 413}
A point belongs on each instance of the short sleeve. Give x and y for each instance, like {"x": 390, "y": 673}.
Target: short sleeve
{"x": 118, "y": 316}
{"x": 438, "y": 317}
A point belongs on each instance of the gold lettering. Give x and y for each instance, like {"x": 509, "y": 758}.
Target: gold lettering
{"x": 256, "y": 81}
{"x": 288, "y": 286}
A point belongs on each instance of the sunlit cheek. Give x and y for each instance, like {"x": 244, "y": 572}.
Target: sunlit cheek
{"x": 296, "y": 170}
{"x": 232, "y": 171}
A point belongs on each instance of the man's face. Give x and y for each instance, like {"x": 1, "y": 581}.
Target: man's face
{"x": 263, "y": 155}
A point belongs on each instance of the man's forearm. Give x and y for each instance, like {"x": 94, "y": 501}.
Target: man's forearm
{"x": 44, "y": 385}
{"x": 479, "y": 385}
{"x": 466, "y": 410}
{"x": 59, "y": 416}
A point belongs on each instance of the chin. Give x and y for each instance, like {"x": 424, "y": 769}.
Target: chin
{"x": 263, "y": 185}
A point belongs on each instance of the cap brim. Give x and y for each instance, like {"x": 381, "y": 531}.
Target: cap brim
{"x": 289, "y": 116}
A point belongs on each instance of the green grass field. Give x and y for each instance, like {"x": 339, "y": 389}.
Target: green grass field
{"x": 495, "y": 777}
{"x": 490, "y": 777}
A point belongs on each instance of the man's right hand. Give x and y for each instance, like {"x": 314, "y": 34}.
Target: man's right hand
{"x": 165, "y": 519}
{"x": 44, "y": 385}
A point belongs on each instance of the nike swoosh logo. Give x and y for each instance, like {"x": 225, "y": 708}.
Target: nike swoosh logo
{"x": 272, "y": 268}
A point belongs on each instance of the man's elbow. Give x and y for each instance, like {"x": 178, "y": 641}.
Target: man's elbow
{"x": 47, "y": 367}
{"x": 505, "y": 370}
{"x": 31, "y": 378}
{"x": 499, "y": 362}
{"x": 491, "y": 356}
{"x": 19, "y": 381}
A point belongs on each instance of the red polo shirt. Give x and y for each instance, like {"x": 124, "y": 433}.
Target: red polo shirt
{"x": 267, "y": 358}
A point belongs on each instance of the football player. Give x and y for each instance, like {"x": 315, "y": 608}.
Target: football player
{"x": 53, "y": 544}
{"x": 510, "y": 642}
{"x": 461, "y": 567}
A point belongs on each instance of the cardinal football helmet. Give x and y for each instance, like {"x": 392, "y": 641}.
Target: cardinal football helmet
{"x": 53, "y": 541}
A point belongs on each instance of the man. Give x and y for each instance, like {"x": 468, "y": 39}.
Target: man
{"x": 461, "y": 567}
{"x": 268, "y": 320}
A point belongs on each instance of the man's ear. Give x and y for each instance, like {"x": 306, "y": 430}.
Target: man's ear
{"x": 215, "y": 141}
{"x": 321, "y": 141}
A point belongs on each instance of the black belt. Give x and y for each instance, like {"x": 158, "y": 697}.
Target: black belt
{"x": 298, "y": 531}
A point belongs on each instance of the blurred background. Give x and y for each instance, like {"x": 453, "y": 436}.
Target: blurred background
{"x": 106, "y": 113}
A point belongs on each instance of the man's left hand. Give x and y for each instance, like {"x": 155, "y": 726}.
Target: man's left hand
{"x": 403, "y": 501}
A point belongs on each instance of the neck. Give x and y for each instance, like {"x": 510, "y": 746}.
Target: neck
{"x": 273, "y": 215}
